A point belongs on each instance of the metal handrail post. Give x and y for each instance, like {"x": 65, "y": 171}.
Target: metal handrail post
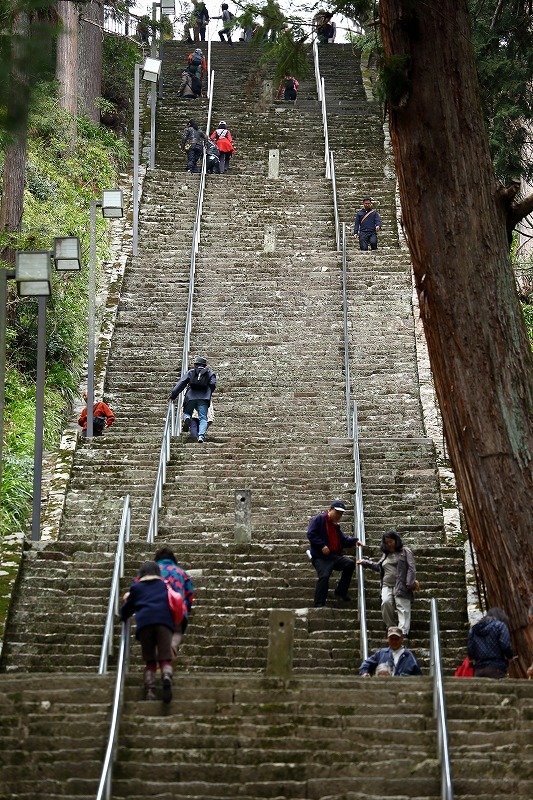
{"x": 210, "y": 107}
{"x": 317, "y": 71}
{"x": 114, "y": 592}
{"x": 326, "y": 136}
{"x": 136, "y": 128}
{"x": 208, "y": 65}
{"x": 439, "y": 705}
{"x": 361, "y": 535}
{"x": 335, "y": 203}
{"x": 345, "y": 315}
{"x": 104, "y": 787}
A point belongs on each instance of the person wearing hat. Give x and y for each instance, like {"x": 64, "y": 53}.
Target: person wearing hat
{"x": 398, "y": 659}
{"x": 366, "y": 226}
{"x": 327, "y": 544}
{"x": 223, "y": 140}
{"x": 201, "y": 383}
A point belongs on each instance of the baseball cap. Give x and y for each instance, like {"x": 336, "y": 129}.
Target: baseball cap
{"x": 393, "y": 631}
{"x": 338, "y": 505}
{"x": 200, "y": 362}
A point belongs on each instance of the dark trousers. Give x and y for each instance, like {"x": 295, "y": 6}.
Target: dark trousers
{"x": 226, "y": 31}
{"x": 489, "y": 672}
{"x": 368, "y": 238}
{"x": 194, "y": 152}
{"x": 155, "y": 643}
{"x": 324, "y": 567}
{"x": 224, "y": 161}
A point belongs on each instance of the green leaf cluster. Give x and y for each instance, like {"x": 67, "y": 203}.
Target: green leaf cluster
{"x": 61, "y": 181}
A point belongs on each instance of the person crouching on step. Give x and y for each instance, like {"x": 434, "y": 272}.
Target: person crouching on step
{"x": 148, "y": 600}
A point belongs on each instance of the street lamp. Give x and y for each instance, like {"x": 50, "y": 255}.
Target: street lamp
{"x": 112, "y": 206}
{"x": 151, "y": 70}
{"x": 33, "y": 274}
{"x": 67, "y": 253}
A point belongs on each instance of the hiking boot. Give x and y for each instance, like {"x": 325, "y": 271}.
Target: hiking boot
{"x": 166, "y": 675}
{"x": 345, "y": 597}
{"x": 201, "y": 439}
{"x": 186, "y": 425}
{"x": 149, "y": 685}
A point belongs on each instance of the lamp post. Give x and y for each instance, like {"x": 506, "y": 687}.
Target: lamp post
{"x": 34, "y": 279}
{"x": 151, "y": 70}
{"x": 112, "y": 208}
{"x": 6, "y": 275}
{"x": 168, "y": 9}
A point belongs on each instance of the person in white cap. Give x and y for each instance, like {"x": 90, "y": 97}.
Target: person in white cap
{"x": 398, "y": 659}
{"x": 327, "y": 545}
{"x": 223, "y": 140}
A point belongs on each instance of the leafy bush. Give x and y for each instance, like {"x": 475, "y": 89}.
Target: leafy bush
{"x": 60, "y": 184}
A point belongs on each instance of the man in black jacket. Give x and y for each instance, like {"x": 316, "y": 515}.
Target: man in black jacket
{"x": 201, "y": 383}
{"x": 327, "y": 543}
{"x": 193, "y": 142}
{"x": 366, "y": 226}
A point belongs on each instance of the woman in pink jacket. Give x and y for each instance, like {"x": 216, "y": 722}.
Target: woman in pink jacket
{"x": 222, "y": 137}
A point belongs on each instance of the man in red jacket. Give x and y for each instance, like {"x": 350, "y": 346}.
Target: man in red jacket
{"x": 103, "y": 418}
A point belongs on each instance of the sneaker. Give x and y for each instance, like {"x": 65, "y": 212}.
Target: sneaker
{"x": 167, "y": 688}
{"x": 201, "y": 439}
{"x": 186, "y": 425}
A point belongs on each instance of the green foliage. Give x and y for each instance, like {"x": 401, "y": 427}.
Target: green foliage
{"x": 528, "y": 317}
{"x": 394, "y": 81}
{"x": 60, "y": 184}
{"x": 289, "y": 55}
{"x": 119, "y": 58}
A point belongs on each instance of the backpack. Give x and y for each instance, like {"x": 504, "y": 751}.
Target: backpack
{"x": 289, "y": 84}
{"x": 196, "y": 60}
{"x": 200, "y": 378}
{"x": 99, "y": 424}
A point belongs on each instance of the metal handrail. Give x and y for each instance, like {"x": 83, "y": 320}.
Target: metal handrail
{"x": 359, "y": 519}
{"x": 114, "y": 592}
{"x": 173, "y": 417}
{"x": 104, "y": 787}
{"x": 346, "y": 348}
{"x": 209, "y": 73}
{"x": 335, "y": 203}
{"x": 326, "y": 134}
{"x": 439, "y": 705}
{"x": 317, "y": 70}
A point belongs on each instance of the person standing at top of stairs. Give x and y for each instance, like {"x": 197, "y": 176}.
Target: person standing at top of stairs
{"x": 201, "y": 383}
{"x": 226, "y": 18}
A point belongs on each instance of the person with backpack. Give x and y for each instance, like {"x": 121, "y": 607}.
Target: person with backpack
{"x": 103, "y": 417}
{"x": 224, "y": 141}
{"x": 196, "y": 67}
{"x": 192, "y": 142}
{"x": 201, "y": 383}
{"x": 148, "y": 600}
{"x": 227, "y": 18}
{"x": 288, "y": 87}
{"x": 366, "y": 226}
{"x": 200, "y": 20}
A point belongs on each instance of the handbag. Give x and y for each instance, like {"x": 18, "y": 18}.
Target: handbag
{"x": 176, "y": 603}
{"x": 465, "y": 670}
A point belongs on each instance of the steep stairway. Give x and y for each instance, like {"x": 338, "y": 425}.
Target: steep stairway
{"x": 268, "y": 316}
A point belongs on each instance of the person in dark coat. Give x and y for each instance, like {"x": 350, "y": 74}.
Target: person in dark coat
{"x": 201, "y": 382}
{"x": 148, "y": 600}
{"x": 327, "y": 543}
{"x": 192, "y": 142}
{"x": 366, "y": 226}
{"x": 489, "y": 645}
{"x": 200, "y": 19}
{"x": 397, "y": 658}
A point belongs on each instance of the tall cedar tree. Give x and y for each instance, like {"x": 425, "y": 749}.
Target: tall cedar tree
{"x": 457, "y": 219}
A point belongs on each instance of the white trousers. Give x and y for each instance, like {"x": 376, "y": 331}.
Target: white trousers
{"x": 391, "y": 605}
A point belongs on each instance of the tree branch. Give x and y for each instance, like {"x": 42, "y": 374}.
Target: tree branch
{"x": 518, "y": 211}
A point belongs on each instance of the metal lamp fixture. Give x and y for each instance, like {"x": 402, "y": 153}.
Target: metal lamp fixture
{"x": 67, "y": 253}
{"x": 33, "y": 272}
{"x": 151, "y": 69}
{"x": 112, "y": 203}
{"x": 168, "y": 7}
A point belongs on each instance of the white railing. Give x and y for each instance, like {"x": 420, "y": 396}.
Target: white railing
{"x": 439, "y": 705}
{"x": 104, "y": 787}
{"x": 335, "y": 203}
{"x": 114, "y": 593}
{"x": 359, "y": 519}
{"x": 173, "y": 418}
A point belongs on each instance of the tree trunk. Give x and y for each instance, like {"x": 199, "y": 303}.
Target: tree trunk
{"x": 90, "y": 59}
{"x": 455, "y": 223}
{"x": 12, "y": 204}
{"x": 67, "y": 60}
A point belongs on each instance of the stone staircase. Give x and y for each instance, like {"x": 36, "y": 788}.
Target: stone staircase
{"x": 268, "y": 316}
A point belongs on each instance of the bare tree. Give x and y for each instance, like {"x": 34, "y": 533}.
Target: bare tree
{"x": 67, "y": 59}
{"x": 457, "y": 219}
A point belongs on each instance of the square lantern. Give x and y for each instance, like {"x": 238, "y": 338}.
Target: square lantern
{"x": 168, "y": 7}
{"x": 151, "y": 69}
{"x": 67, "y": 253}
{"x": 33, "y": 272}
{"x": 112, "y": 204}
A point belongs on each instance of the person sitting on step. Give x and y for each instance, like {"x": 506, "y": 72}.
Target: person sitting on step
{"x": 397, "y": 658}
{"x": 327, "y": 543}
{"x": 103, "y": 417}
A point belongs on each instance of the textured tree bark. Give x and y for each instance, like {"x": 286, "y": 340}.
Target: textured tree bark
{"x": 90, "y": 40}
{"x": 455, "y": 220}
{"x": 12, "y": 204}
{"x": 67, "y": 60}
